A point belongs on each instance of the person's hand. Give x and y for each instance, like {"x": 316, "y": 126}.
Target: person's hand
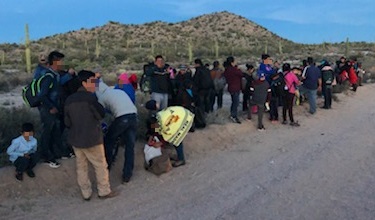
{"x": 98, "y": 75}
{"x": 319, "y": 88}
{"x": 71, "y": 71}
{"x": 53, "y": 110}
{"x": 27, "y": 156}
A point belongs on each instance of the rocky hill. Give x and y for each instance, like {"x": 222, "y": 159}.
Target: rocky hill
{"x": 212, "y": 36}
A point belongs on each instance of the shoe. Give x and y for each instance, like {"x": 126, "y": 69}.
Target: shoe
{"x": 69, "y": 156}
{"x": 285, "y": 122}
{"x": 235, "y": 120}
{"x": 261, "y": 128}
{"x": 109, "y": 195}
{"x": 248, "y": 119}
{"x": 178, "y": 163}
{"x": 30, "y": 173}
{"x": 295, "y": 124}
{"x": 324, "y": 107}
{"x": 126, "y": 179}
{"x": 52, "y": 164}
{"x": 275, "y": 121}
{"x": 19, "y": 176}
{"x": 87, "y": 199}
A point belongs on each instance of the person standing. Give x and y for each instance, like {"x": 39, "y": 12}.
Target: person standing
{"x": 327, "y": 80}
{"x": 83, "y": 115}
{"x": 260, "y": 94}
{"x": 312, "y": 82}
{"x": 204, "y": 85}
{"x": 233, "y": 76}
{"x": 51, "y": 147}
{"x": 219, "y": 84}
{"x": 291, "y": 83}
{"x": 160, "y": 81}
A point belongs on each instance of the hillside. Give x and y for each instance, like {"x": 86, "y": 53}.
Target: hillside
{"x": 213, "y": 36}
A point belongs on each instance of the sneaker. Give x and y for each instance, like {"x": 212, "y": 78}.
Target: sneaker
{"x": 109, "y": 195}
{"x": 285, "y": 122}
{"x": 19, "y": 176}
{"x": 52, "y": 164}
{"x": 295, "y": 124}
{"x": 30, "y": 173}
{"x": 261, "y": 128}
{"x": 69, "y": 156}
{"x": 178, "y": 163}
{"x": 235, "y": 120}
{"x": 126, "y": 179}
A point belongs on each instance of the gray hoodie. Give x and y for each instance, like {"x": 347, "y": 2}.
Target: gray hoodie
{"x": 114, "y": 100}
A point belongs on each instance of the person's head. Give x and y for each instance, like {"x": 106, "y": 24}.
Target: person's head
{"x": 310, "y": 61}
{"x": 182, "y": 69}
{"x": 123, "y": 79}
{"x": 152, "y": 105}
{"x": 304, "y": 62}
{"x": 250, "y": 68}
{"x": 216, "y": 64}
{"x": 159, "y": 61}
{"x": 88, "y": 80}
{"x": 152, "y": 124}
{"x": 266, "y": 59}
{"x": 276, "y": 64}
{"x": 27, "y": 130}
{"x": 342, "y": 59}
{"x": 286, "y": 67}
{"x": 198, "y": 62}
{"x": 231, "y": 61}
{"x": 42, "y": 59}
{"x": 261, "y": 76}
{"x": 55, "y": 60}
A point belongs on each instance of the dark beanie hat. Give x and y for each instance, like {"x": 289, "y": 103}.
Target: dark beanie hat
{"x": 151, "y": 105}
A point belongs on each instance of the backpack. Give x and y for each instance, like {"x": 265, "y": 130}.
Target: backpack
{"x": 219, "y": 83}
{"x": 30, "y": 93}
{"x": 278, "y": 87}
{"x": 327, "y": 77}
{"x": 205, "y": 80}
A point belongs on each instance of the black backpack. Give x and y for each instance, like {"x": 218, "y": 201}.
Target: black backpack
{"x": 327, "y": 77}
{"x": 30, "y": 93}
{"x": 278, "y": 87}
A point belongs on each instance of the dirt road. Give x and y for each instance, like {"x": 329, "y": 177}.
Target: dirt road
{"x": 323, "y": 170}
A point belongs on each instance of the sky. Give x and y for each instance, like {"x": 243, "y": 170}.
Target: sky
{"x": 300, "y": 21}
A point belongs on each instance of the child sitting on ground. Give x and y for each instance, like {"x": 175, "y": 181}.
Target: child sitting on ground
{"x": 22, "y": 152}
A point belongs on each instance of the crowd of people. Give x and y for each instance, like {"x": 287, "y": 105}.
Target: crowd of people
{"x": 76, "y": 103}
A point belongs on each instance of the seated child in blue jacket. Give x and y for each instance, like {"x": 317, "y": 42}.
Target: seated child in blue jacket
{"x": 22, "y": 152}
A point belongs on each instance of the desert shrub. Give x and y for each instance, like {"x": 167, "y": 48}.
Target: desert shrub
{"x": 10, "y": 125}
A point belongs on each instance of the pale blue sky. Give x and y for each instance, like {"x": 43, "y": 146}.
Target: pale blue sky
{"x": 297, "y": 20}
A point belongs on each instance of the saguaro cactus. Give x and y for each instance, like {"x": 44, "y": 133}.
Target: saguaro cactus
{"x": 87, "y": 47}
{"x": 2, "y": 58}
{"x": 152, "y": 48}
{"x": 97, "y": 48}
{"x": 216, "y": 49}
{"x": 27, "y": 49}
{"x": 347, "y": 47}
{"x": 190, "y": 51}
{"x": 280, "y": 47}
{"x": 266, "y": 47}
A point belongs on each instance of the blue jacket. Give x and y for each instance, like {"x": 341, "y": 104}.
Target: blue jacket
{"x": 267, "y": 70}
{"x": 49, "y": 90}
{"x": 128, "y": 89}
{"x": 20, "y": 147}
{"x": 40, "y": 71}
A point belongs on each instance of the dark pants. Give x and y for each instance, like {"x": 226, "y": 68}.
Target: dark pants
{"x": 23, "y": 164}
{"x": 235, "y": 102}
{"x": 245, "y": 101}
{"x": 327, "y": 93}
{"x": 205, "y": 100}
{"x": 260, "y": 113}
{"x": 180, "y": 152}
{"x": 274, "y": 108}
{"x": 219, "y": 96}
{"x": 125, "y": 127}
{"x": 288, "y": 105}
{"x": 51, "y": 147}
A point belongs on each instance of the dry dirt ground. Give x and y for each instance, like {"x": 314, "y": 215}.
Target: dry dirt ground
{"x": 324, "y": 169}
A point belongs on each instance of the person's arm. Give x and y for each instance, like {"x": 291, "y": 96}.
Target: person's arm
{"x": 44, "y": 91}
{"x": 97, "y": 109}
{"x": 34, "y": 146}
{"x": 12, "y": 150}
{"x": 67, "y": 119}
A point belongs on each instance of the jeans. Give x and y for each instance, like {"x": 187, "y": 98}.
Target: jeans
{"x": 235, "y": 102}
{"x": 219, "y": 96}
{"x": 205, "y": 100}
{"x": 311, "y": 96}
{"x": 180, "y": 152}
{"x": 125, "y": 127}
{"x": 245, "y": 101}
{"x": 161, "y": 99}
{"x": 23, "y": 164}
{"x": 51, "y": 147}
